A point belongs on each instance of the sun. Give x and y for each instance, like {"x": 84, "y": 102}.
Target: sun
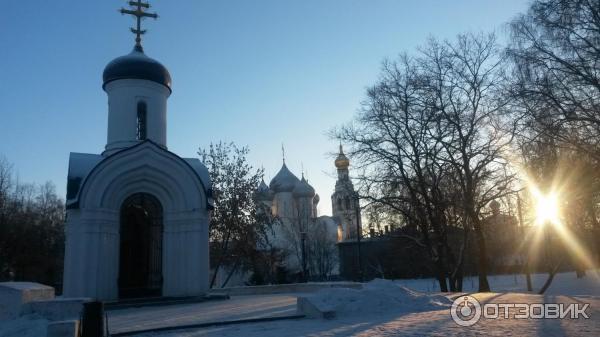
{"x": 547, "y": 209}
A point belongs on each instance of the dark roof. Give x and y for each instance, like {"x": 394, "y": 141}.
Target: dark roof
{"x": 303, "y": 189}
{"x": 136, "y": 65}
{"x": 284, "y": 181}
{"x": 81, "y": 166}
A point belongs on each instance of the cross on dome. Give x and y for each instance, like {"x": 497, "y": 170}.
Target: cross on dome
{"x": 342, "y": 162}
{"x": 137, "y": 10}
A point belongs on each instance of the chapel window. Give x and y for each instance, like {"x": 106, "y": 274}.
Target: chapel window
{"x": 141, "y": 131}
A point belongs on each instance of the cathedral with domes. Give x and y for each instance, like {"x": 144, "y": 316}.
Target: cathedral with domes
{"x": 300, "y": 230}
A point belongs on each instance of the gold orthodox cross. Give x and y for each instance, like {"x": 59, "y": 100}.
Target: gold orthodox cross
{"x": 137, "y": 10}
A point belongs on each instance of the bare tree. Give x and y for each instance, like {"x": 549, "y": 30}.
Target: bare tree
{"x": 396, "y": 156}
{"x": 430, "y": 139}
{"x": 236, "y": 224}
{"x": 465, "y": 82}
{"x": 31, "y": 230}
{"x": 555, "y": 52}
{"x": 555, "y": 49}
{"x": 322, "y": 251}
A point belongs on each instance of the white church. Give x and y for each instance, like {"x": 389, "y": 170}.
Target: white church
{"x": 301, "y": 230}
{"x": 137, "y": 214}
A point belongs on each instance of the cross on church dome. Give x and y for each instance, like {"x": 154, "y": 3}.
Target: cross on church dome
{"x": 342, "y": 162}
{"x": 138, "y": 12}
{"x": 136, "y": 65}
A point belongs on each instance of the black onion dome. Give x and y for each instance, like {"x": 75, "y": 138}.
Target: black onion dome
{"x": 136, "y": 65}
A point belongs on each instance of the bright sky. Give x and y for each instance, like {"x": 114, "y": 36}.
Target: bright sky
{"x": 259, "y": 73}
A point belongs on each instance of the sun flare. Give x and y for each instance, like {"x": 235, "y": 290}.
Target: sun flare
{"x": 547, "y": 209}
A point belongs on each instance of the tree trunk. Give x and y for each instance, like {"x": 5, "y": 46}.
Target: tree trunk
{"x": 482, "y": 261}
{"x": 528, "y": 275}
{"x": 551, "y": 275}
{"x": 441, "y": 277}
{"x": 441, "y": 272}
{"x": 221, "y": 258}
{"x": 579, "y": 266}
{"x": 231, "y": 272}
{"x": 459, "y": 283}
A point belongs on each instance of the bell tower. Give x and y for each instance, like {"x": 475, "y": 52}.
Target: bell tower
{"x": 344, "y": 201}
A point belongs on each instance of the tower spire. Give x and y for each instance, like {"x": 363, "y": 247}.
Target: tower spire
{"x": 137, "y": 10}
{"x": 283, "y": 153}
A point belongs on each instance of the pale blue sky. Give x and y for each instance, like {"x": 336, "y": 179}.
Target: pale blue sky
{"x": 258, "y": 73}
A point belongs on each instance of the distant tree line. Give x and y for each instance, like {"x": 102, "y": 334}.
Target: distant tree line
{"x": 31, "y": 230}
{"x": 459, "y": 123}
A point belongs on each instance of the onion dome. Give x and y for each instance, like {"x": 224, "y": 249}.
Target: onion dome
{"x": 316, "y": 199}
{"x": 284, "y": 181}
{"x": 263, "y": 192}
{"x": 136, "y": 65}
{"x": 342, "y": 162}
{"x": 303, "y": 189}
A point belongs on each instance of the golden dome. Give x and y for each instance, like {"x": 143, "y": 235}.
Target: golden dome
{"x": 342, "y": 162}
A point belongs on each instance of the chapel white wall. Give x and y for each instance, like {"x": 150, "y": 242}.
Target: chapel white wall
{"x": 123, "y": 97}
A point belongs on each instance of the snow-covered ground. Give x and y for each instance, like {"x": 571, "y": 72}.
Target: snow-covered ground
{"x": 25, "y": 326}
{"x": 424, "y": 323}
{"x": 563, "y": 284}
{"x": 400, "y": 312}
{"x": 383, "y": 308}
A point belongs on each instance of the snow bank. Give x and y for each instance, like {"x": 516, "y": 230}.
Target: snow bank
{"x": 377, "y": 296}
{"x": 565, "y": 283}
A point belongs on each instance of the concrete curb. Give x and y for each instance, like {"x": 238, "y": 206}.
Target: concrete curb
{"x": 158, "y": 302}
{"x": 284, "y": 288}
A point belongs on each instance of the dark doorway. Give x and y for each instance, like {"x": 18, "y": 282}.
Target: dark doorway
{"x": 140, "y": 260}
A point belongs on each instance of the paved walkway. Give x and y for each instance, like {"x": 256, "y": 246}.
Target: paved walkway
{"x": 436, "y": 323}
{"x": 236, "y": 308}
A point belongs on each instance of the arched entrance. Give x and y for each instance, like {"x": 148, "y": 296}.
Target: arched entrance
{"x": 141, "y": 236}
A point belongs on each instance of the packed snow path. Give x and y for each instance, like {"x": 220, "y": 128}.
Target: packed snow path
{"x": 426, "y": 323}
{"x": 376, "y": 316}
{"x": 236, "y": 308}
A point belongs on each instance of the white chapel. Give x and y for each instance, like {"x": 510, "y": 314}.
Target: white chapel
{"x": 137, "y": 214}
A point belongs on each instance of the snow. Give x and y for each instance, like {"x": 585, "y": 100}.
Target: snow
{"x": 412, "y": 313}
{"x": 382, "y": 308}
{"x": 563, "y": 284}
{"x": 424, "y": 323}
{"x": 377, "y": 296}
{"x": 25, "y": 326}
